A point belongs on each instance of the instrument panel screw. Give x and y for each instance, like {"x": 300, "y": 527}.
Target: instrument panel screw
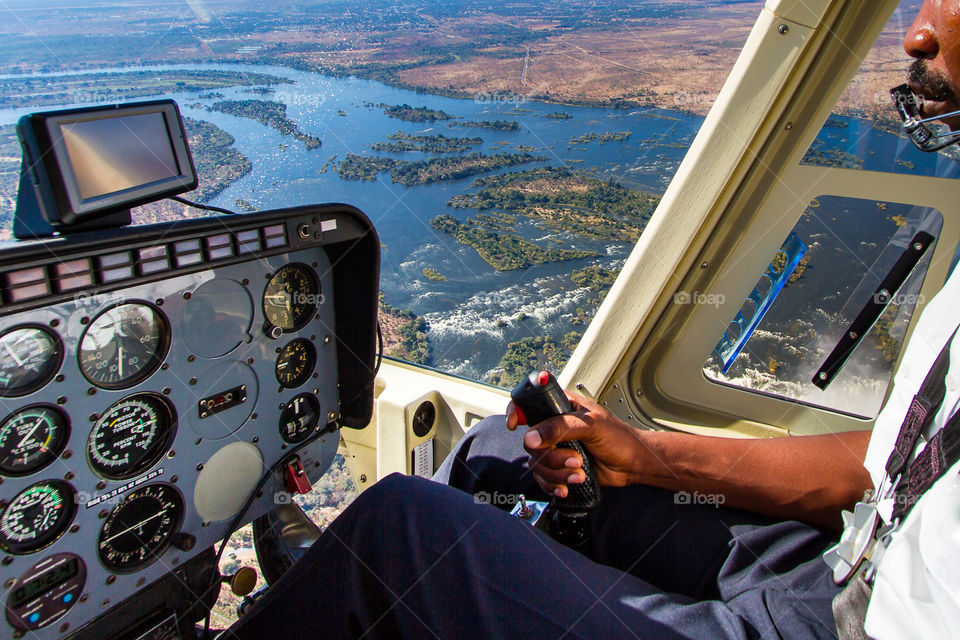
{"x": 9, "y": 583}
{"x": 326, "y": 339}
{"x": 111, "y": 579}
{"x": 332, "y": 416}
{"x": 91, "y": 391}
{"x": 164, "y": 366}
{"x": 64, "y": 627}
{"x": 788, "y": 126}
{"x": 256, "y": 439}
{"x": 103, "y": 514}
{"x": 61, "y": 400}
{"x": 54, "y": 323}
{"x": 101, "y": 485}
{"x": 8, "y": 560}
{"x": 245, "y": 281}
{"x": 193, "y": 381}
{"x": 579, "y": 386}
{"x": 167, "y": 391}
{"x": 84, "y": 320}
{"x": 17, "y": 634}
{"x": 171, "y": 453}
{"x": 200, "y": 467}
{"x": 83, "y": 598}
{"x": 93, "y": 417}
{"x": 187, "y": 295}
{"x": 363, "y": 477}
{"x": 191, "y": 358}
{"x": 250, "y": 361}
{"x": 66, "y": 455}
{"x": 639, "y": 393}
{"x": 853, "y": 335}
{"x": 159, "y": 302}
{"x": 74, "y": 528}
{"x": 140, "y": 581}
{"x": 783, "y": 29}
{"x": 822, "y": 375}
{"x": 704, "y": 264}
{"x": 59, "y": 378}
{"x": 105, "y": 604}
{"x": 173, "y": 479}
{"x": 69, "y": 476}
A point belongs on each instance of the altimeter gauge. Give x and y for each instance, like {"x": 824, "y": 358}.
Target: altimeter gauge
{"x": 291, "y": 297}
{"x": 131, "y": 436}
{"x": 140, "y": 528}
{"x": 37, "y": 516}
{"x": 295, "y": 363}
{"x": 31, "y": 438}
{"x": 30, "y": 356}
{"x": 124, "y": 345}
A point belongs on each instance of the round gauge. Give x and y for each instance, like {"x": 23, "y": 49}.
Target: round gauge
{"x": 30, "y": 356}
{"x": 124, "y": 345}
{"x": 45, "y": 593}
{"x": 139, "y": 529}
{"x": 31, "y": 438}
{"x": 295, "y": 363}
{"x": 299, "y": 418}
{"x": 37, "y": 516}
{"x": 291, "y": 297}
{"x": 130, "y": 436}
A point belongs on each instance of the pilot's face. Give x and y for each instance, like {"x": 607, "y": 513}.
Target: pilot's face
{"x": 934, "y": 41}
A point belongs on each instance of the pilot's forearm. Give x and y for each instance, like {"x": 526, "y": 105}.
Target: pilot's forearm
{"x": 809, "y": 478}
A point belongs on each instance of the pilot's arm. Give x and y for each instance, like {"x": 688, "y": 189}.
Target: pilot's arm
{"x": 807, "y": 478}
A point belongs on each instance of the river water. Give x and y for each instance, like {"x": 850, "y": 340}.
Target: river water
{"x": 475, "y": 312}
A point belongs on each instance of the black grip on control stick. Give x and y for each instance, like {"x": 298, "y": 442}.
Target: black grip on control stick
{"x": 539, "y": 397}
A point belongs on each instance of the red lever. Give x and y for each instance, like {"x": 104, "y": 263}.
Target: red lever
{"x": 521, "y": 419}
{"x": 544, "y": 378}
{"x": 295, "y": 478}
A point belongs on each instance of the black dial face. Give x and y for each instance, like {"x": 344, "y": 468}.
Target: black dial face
{"x": 295, "y": 363}
{"x": 299, "y": 418}
{"x": 139, "y": 529}
{"x": 130, "y": 436}
{"x": 291, "y": 297}
{"x": 31, "y": 438}
{"x": 37, "y": 516}
{"x": 124, "y": 345}
{"x": 29, "y": 358}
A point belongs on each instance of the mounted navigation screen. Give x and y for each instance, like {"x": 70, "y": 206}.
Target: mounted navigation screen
{"x": 107, "y": 156}
{"x": 91, "y": 162}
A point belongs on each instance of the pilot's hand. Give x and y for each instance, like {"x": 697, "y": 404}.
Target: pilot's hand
{"x": 614, "y": 444}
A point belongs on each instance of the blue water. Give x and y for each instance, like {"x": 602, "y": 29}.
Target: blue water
{"x": 464, "y": 312}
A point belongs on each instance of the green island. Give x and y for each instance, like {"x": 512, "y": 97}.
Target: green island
{"x": 269, "y": 113}
{"x": 557, "y": 115}
{"x": 404, "y": 334}
{"x": 107, "y": 88}
{"x": 414, "y": 114}
{"x": 602, "y": 138}
{"x": 821, "y": 156}
{"x": 432, "y": 274}
{"x": 566, "y": 200}
{"x": 502, "y": 252}
{"x": 356, "y": 167}
{"x": 499, "y": 125}
{"x": 427, "y": 144}
{"x": 530, "y": 354}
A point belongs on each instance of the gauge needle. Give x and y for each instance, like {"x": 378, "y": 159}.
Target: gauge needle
{"x": 129, "y": 529}
{"x": 13, "y": 354}
{"x": 120, "y": 357}
{"x": 30, "y": 433}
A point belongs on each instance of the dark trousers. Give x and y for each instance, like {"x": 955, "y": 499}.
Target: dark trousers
{"x": 416, "y": 559}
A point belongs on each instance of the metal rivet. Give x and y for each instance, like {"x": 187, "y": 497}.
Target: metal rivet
{"x": 788, "y": 126}
{"x": 159, "y": 302}
{"x": 704, "y": 264}
{"x": 363, "y": 477}
{"x": 200, "y": 467}
{"x": 61, "y": 400}
{"x": 918, "y": 246}
{"x": 326, "y": 339}
{"x": 103, "y": 514}
{"x": 187, "y": 295}
{"x": 191, "y": 358}
{"x": 822, "y": 376}
{"x": 783, "y": 29}
{"x": 74, "y": 528}
{"x": 111, "y": 579}
{"x": 101, "y": 485}
{"x": 54, "y": 323}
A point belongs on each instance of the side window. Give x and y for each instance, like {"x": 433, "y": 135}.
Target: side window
{"x": 831, "y": 265}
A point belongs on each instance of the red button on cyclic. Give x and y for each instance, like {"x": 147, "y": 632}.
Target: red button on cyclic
{"x": 544, "y": 378}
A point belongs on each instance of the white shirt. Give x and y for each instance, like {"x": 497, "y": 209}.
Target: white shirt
{"x": 917, "y": 588}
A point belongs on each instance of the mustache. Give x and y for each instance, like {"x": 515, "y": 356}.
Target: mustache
{"x": 933, "y": 84}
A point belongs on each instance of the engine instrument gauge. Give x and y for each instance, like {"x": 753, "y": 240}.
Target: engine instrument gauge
{"x": 299, "y": 418}
{"x": 37, "y": 516}
{"x": 31, "y": 438}
{"x": 131, "y": 436}
{"x": 30, "y": 356}
{"x": 124, "y": 345}
{"x": 291, "y": 297}
{"x": 139, "y": 529}
{"x": 295, "y": 363}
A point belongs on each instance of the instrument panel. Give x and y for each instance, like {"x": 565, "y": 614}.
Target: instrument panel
{"x": 137, "y": 418}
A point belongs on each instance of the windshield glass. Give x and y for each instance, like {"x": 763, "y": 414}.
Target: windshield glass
{"x": 509, "y": 154}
